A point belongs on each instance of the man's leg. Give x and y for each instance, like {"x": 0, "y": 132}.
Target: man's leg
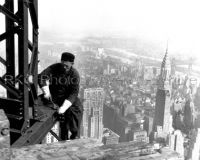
{"x": 64, "y": 131}
{"x": 76, "y": 117}
{"x": 65, "y": 125}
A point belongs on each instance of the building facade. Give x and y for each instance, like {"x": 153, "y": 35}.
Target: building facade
{"x": 92, "y": 124}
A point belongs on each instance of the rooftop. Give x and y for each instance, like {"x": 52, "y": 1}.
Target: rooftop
{"x": 82, "y": 149}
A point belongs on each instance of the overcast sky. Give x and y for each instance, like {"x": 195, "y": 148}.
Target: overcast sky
{"x": 156, "y": 20}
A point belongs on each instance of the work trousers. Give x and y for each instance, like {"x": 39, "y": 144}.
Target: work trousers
{"x": 71, "y": 122}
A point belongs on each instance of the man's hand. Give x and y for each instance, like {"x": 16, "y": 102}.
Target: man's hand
{"x": 46, "y": 92}
{"x": 66, "y": 104}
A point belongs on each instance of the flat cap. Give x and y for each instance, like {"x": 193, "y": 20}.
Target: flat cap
{"x": 66, "y": 56}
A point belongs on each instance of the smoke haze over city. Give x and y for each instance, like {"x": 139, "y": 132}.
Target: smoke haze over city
{"x": 156, "y": 21}
{"x": 153, "y": 21}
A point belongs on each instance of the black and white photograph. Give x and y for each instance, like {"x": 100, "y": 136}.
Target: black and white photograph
{"x": 99, "y": 80}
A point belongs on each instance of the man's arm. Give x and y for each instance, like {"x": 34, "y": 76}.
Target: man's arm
{"x": 74, "y": 87}
{"x": 74, "y": 90}
{"x": 43, "y": 79}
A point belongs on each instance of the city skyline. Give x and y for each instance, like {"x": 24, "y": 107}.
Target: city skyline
{"x": 135, "y": 83}
{"x": 155, "y": 21}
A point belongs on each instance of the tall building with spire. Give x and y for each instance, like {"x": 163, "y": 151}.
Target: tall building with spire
{"x": 163, "y": 100}
{"x": 164, "y": 78}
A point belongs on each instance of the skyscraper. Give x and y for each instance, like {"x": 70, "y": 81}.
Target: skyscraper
{"x": 176, "y": 142}
{"x": 92, "y": 125}
{"x": 163, "y": 102}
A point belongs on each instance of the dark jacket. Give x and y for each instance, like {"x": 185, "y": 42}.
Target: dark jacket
{"x": 63, "y": 85}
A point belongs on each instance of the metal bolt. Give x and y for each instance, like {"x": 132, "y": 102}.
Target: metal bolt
{"x": 30, "y": 78}
{"x": 4, "y": 131}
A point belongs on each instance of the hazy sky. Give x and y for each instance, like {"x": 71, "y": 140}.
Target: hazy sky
{"x": 156, "y": 20}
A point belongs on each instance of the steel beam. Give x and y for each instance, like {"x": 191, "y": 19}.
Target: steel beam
{"x": 2, "y": 61}
{"x": 34, "y": 13}
{"x": 33, "y": 62}
{"x": 34, "y": 57}
{"x": 33, "y": 70}
{"x": 10, "y": 42}
{"x": 8, "y": 13}
{"x": 7, "y": 102}
{"x": 30, "y": 45}
{"x": 5, "y": 35}
{"x": 11, "y": 106}
{"x": 39, "y": 130}
{"x": 9, "y": 33}
{"x": 23, "y": 58}
{"x": 25, "y": 129}
{"x": 12, "y": 90}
